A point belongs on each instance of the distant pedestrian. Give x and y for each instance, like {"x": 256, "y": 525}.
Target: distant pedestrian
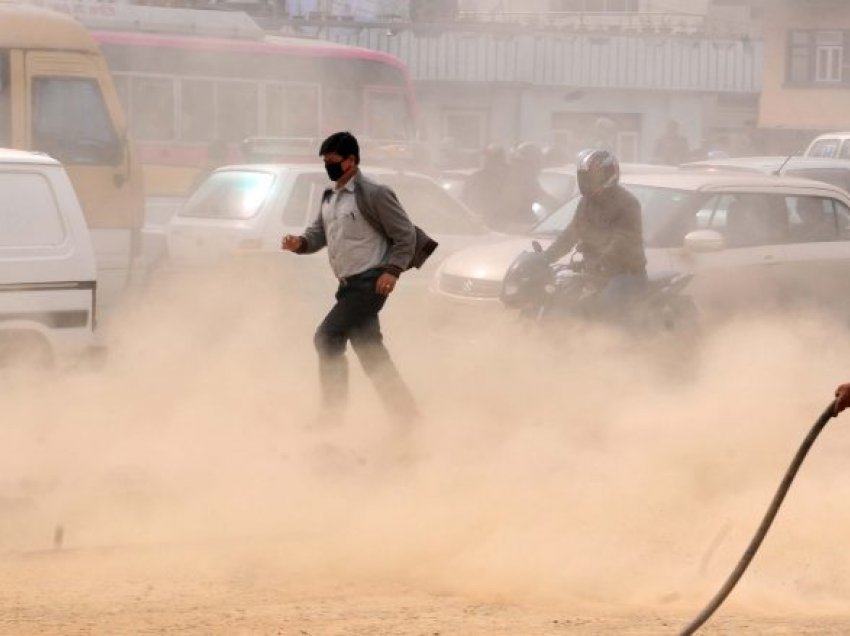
{"x": 671, "y": 148}
{"x": 522, "y": 190}
{"x": 604, "y": 135}
{"x": 483, "y": 190}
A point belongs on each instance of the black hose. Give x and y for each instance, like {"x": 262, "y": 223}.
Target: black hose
{"x": 750, "y": 552}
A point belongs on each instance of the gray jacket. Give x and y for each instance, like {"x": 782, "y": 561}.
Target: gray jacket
{"x": 378, "y": 204}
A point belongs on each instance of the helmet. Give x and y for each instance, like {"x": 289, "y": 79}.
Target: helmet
{"x": 596, "y": 171}
{"x": 529, "y": 154}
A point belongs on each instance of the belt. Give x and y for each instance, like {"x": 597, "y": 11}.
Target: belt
{"x": 344, "y": 281}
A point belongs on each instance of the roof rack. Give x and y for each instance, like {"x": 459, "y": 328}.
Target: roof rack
{"x": 273, "y": 149}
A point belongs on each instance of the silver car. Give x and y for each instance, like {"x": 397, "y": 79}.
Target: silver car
{"x": 750, "y": 240}
{"x": 243, "y": 209}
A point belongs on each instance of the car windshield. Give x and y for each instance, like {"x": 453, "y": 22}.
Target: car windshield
{"x": 430, "y": 206}
{"x": 559, "y": 184}
{"x": 229, "y": 194}
{"x": 658, "y": 205}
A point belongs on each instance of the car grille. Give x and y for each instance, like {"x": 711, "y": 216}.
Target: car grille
{"x": 472, "y": 287}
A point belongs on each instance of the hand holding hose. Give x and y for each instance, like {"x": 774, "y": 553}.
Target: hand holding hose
{"x": 842, "y": 398}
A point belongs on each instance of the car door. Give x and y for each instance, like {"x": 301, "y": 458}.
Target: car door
{"x": 742, "y": 273}
{"x": 817, "y": 256}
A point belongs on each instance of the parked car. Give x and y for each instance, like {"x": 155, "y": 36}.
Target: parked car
{"x": 247, "y": 208}
{"x": 749, "y": 239}
{"x": 47, "y": 265}
{"x": 834, "y": 171}
{"x": 830, "y": 145}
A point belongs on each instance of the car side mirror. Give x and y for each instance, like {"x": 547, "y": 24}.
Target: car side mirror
{"x": 704, "y": 241}
{"x": 535, "y": 245}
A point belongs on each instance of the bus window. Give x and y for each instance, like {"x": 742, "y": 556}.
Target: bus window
{"x": 71, "y": 123}
{"x": 388, "y": 115}
{"x": 343, "y": 108}
{"x": 292, "y": 110}
{"x": 5, "y": 101}
{"x": 197, "y": 110}
{"x": 237, "y": 110}
{"x": 152, "y": 108}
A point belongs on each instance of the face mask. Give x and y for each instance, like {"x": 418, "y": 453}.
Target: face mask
{"x": 334, "y": 170}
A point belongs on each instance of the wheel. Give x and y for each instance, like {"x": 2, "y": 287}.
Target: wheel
{"x": 25, "y": 350}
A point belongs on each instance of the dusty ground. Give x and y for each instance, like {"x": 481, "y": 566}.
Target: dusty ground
{"x": 596, "y": 487}
{"x": 170, "y": 591}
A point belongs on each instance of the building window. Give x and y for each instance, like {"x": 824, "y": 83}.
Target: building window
{"x": 799, "y": 58}
{"x": 817, "y": 57}
{"x": 829, "y": 56}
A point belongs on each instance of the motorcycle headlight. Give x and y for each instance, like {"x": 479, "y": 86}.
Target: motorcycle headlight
{"x": 510, "y": 289}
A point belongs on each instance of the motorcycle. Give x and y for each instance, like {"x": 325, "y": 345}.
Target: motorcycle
{"x": 546, "y": 293}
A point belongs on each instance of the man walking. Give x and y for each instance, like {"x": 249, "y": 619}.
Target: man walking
{"x": 370, "y": 241}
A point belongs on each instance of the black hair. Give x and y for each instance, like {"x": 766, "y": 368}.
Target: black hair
{"x": 342, "y": 143}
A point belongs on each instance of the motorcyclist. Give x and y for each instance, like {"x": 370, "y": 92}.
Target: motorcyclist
{"x": 606, "y": 230}
{"x": 522, "y": 188}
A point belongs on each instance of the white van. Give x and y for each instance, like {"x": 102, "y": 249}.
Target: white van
{"x": 47, "y": 265}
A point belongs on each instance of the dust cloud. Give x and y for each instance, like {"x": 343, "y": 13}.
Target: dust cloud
{"x": 593, "y": 472}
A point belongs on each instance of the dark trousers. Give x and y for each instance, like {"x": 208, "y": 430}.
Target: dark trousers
{"x": 354, "y": 318}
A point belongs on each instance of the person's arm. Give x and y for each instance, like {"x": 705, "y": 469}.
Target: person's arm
{"x": 567, "y": 239}
{"x": 842, "y": 397}
{"x": 311, "y": 241}
{"x": 398, "y": 228}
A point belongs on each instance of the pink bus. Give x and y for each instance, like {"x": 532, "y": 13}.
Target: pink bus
{"x": 191, "y": 101}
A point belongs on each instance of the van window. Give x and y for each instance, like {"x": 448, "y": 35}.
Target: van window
{"x": 71, "y": 123}
{"x": 5, "y": 101}
{"x": 845, "y": 150}
{"x": 29, "y": 214}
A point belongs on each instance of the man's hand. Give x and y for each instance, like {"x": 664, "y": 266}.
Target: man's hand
{"x": 291, "y": 243}
{"x": 842, "y": 398}
{"x": 386, "y": 284}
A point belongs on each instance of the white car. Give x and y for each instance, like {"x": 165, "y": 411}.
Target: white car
{"x": 48, "y": 275}
{"x": 248, "y": 208}
{"x": 828, "y": 170}
{"x": 750, "y": 239}
{"x": 834, "y": 145}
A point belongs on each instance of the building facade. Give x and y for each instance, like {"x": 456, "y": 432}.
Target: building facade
{"x": 806, "y": 88}
{"x": 547, "y": 74}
